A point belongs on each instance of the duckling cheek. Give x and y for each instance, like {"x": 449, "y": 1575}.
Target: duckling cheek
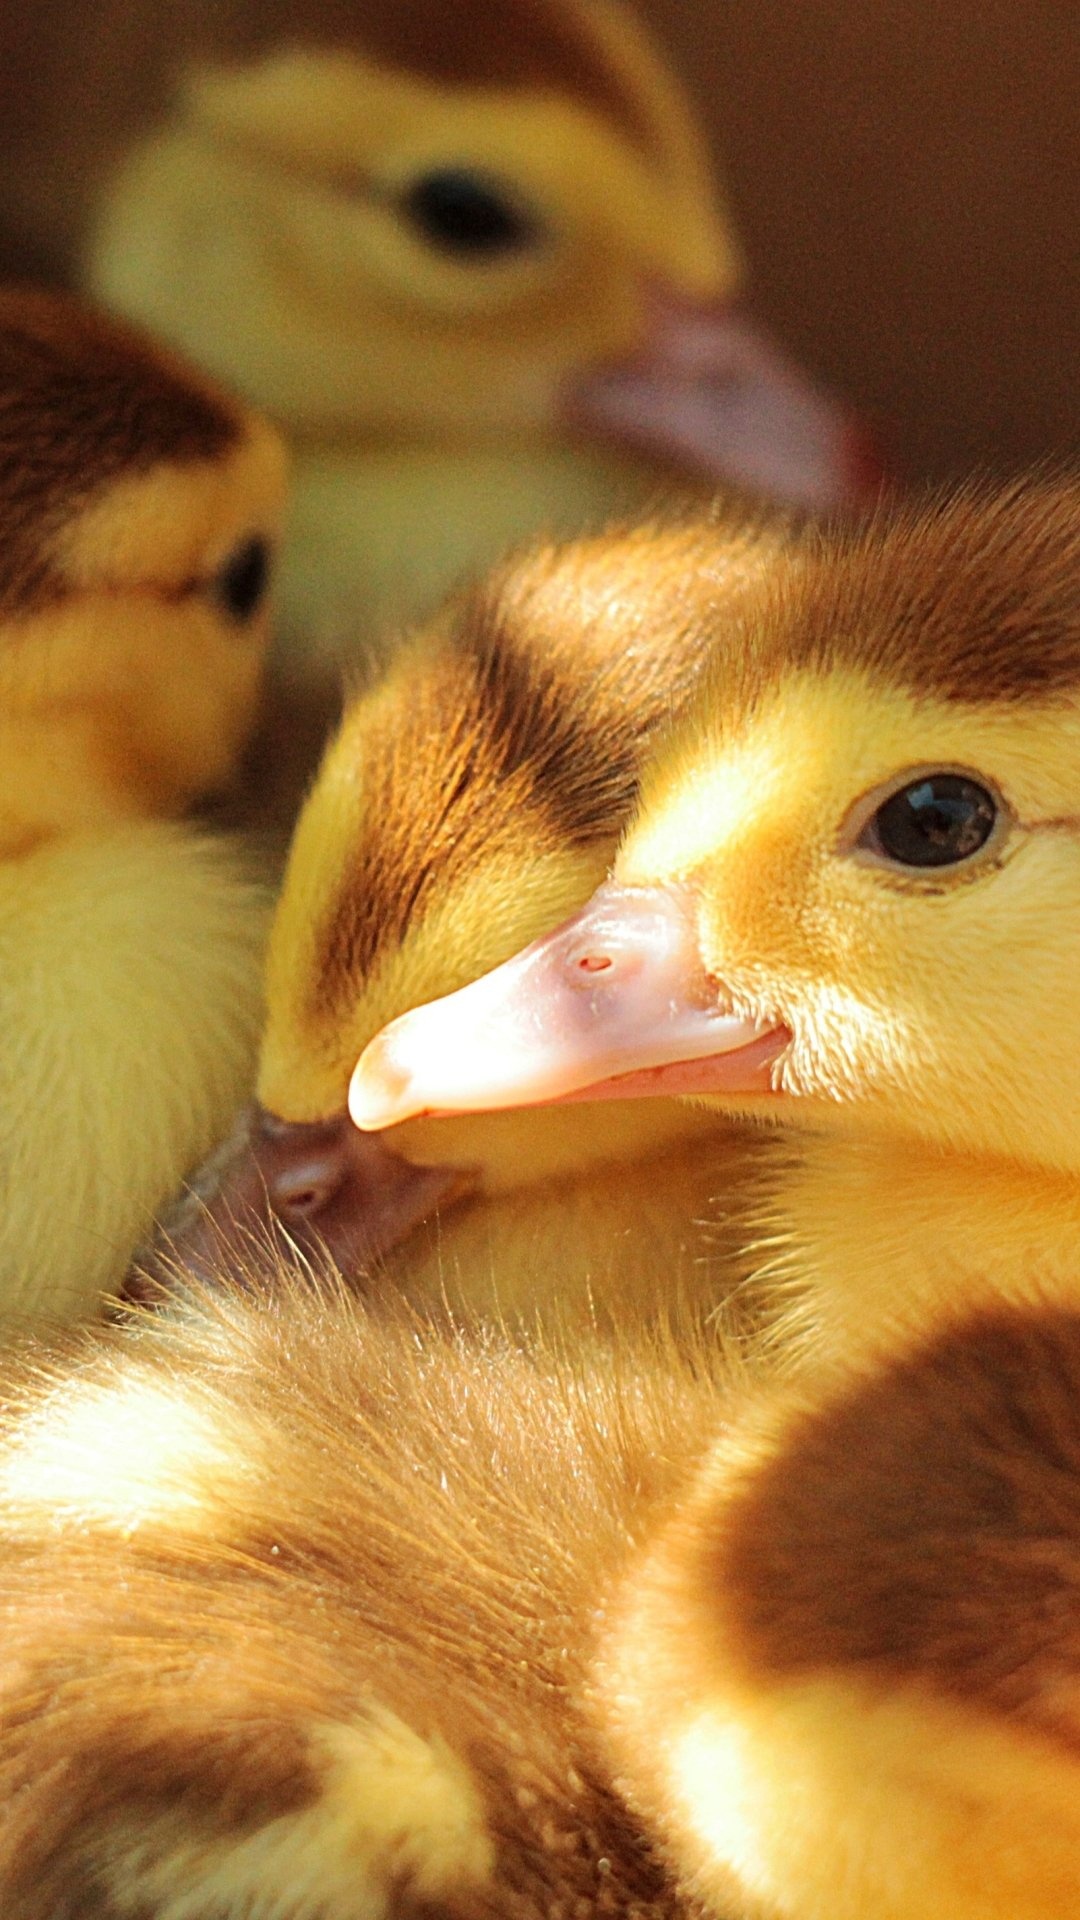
{"x": 193, "y": 693}
{"x": 170, "y": 688}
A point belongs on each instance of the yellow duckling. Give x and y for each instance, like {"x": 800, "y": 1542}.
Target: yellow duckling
{"x": 140, "y": 509}
{"x": 474, "y": 260}
{"x": 850, "y": 905}
{"x": 468, "y": 801}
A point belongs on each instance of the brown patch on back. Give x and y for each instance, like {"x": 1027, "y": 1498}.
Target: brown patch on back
{"x": 975, "y": 598}
{"x": 526, "y": 730}
{"x": 424, "y": 1528}
{"x": 925, "y": 1525}
{"x": 83, "y": 401}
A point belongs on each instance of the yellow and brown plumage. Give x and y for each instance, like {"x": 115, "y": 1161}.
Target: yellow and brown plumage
{"x": 859, "y": 844}
{"x": 505, "y": 1630}
{"x": 140, "y": 508}
{"x": 139, "y": 512}
{"x": 467, "y": 802}
{"x": 318, "y": 1639}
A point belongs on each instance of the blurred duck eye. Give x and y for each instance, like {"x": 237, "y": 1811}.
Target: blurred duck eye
{"x": 938, "y": 820}
{"x": 240, "y": 584}
{"x": 464, "y": 213}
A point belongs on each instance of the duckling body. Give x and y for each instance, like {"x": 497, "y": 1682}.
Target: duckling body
{"x": 130, "y": 972}
{"x": 479, "y": 270}
{"x": 140, "y": 511}
{"x": 859, "y": 843}
{"x": 320, "y": 1638}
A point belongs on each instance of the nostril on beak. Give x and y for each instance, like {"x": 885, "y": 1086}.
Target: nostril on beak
{"x": 594, "y": 962}
{"x": 298, "y": 1192}
{"x": 304, "y": 1165}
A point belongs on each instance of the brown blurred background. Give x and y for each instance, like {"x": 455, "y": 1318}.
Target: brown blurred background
{"x": 906, "y": 174}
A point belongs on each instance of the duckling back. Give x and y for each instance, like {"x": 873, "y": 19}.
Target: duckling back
{"x": 320, "y": 1610}
{"x": 312, "y": 1615}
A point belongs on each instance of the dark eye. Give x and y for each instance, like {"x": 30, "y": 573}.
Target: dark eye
{"x": 461, "y": 212}
{"x": 241, "y": 581}
{"x": 936, "y": 821}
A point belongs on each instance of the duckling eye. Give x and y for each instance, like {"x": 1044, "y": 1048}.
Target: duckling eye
{"x": 463, "y": 213}
{"x": 935, "y": 821}
{"x": 240, "y": 583}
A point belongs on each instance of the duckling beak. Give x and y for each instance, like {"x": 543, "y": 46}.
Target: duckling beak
{"x": 709, "y": 393}
{"x": 615, "y": 1003}
{"x": 317, "y": 1188}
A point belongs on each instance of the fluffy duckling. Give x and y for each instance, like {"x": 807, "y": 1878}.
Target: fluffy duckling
{"x": 469, "y": 801}
{"x": 140, "y": 508}
{"x": 474, "y": 260}
{"x": 313, "y": 1612}
{"x": 138, "y": 511}
{"x": 301, "y": 1614}
{"x": 850, "y": 905}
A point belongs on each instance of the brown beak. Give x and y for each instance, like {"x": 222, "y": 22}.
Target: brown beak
{"x": 322, "y": 1190}
{"x": 710, "y": 394}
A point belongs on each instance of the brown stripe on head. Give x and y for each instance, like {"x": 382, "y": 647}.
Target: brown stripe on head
{"x": 924, "y": 1526}
{"x": 974, "y": 598}
{"x": 549, "y": 45}
{"x": 522, "y": 733}
{"x": 84, "y": 401}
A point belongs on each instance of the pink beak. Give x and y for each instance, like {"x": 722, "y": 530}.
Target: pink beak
{"x": 613, "y": 1004}
{"x": 710, "y": 394}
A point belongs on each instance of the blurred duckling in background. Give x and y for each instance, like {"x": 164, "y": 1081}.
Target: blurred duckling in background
{"x": 140, "y": 512}
{"x": 468, "y": 802}
{"x": 475, "y": 261}
{"x": 849, "y": 905}
{"x": 139, "y": 509}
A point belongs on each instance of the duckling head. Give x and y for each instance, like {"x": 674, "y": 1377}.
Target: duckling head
{"x": 470, "y": 800}
{"x": 457, "y": 225}
{"x": 850, "y": 896}
{"x": 140, "y": 509}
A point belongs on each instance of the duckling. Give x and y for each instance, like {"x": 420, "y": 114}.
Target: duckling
{"x": 315, "y": 1609}
{"x": 474, "y": 260}
{"x": 468, "y": 801}
{"x": 140, "y": 508}
{"x": 849, "y": 906}
{"x": 300, "y": 1609}
{"x": 799, "y": 883}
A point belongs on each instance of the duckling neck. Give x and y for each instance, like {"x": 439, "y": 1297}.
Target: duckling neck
{"x": 864, "y": 1239}
{"x": 628, "y": 1242}
{"x": 378, "y": 530}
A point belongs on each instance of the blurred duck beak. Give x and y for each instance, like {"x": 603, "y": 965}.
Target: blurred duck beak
{"x": 709, "y": 393}
{"x": 614, "y": 1004}
{"x": 282, "y": 1187}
